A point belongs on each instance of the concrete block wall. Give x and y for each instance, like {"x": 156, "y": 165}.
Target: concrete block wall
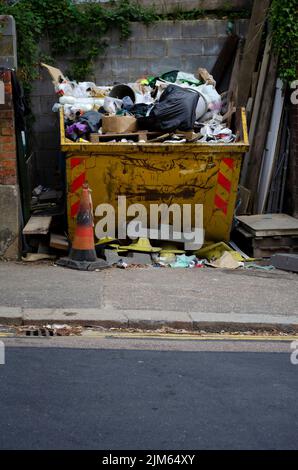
{"x": 163, "y": 46}
{"x": 152, "y": 50}
{"x": 9, "y": 188}
{"x": 8, "y": 42}
{"x": 45, "y": 132}
{"x": 167, "y": 6}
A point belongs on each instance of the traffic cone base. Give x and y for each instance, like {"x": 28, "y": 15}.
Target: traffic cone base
{"x": 83, "y": 265}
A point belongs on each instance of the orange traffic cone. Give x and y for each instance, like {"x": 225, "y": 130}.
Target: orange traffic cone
{"x": 82, "y": 255}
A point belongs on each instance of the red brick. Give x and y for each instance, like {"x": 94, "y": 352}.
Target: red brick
{"x": 6, "y": 113}
{"x": 7, "y": 164}
{"x": 9, "y": 147}
{"x": 8, "y": 88}
{"x": 6, "y": 139}
{"x": 7, "y": 106}
{"x": 8, "y": 176}
{"x": 7, "y": 172}
{"x": 7, "y": 131}
{"x": 8, "y": 179}
{"x": 8, "y": 100}
{"x": 7, "y": 155}
{"x": 6, "y": 122}
{"x": 5, "y": 76}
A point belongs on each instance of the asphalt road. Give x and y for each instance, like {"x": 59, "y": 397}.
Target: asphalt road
{"x": 80, "y": 393}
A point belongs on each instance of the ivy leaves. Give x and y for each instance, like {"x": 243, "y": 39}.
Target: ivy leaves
{"x": 284, "y": 32}
{"x": 71, "y": 30}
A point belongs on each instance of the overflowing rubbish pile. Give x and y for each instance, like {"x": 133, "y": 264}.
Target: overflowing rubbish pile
{"x": 169, "y": 254}
{"x": 173, "y": 108}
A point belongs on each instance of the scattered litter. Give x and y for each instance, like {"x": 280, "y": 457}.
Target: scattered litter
{"x": 121, "y": 264}
{"x": 226, "y": 261}
{"x": 258, "y": 266}
{"x": 49, "y": 330}
{"x": 183, "y": 261}
{"x": 31, "y": 257}
{"x": 216, "y": 250}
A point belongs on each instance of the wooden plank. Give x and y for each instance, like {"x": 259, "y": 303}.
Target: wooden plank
{"x": 249, "y": 107}
{"x": 262, "y": 225}
{"x": 244, "y": 195}
{"x": 271, "y": 147}
{"x": 233, "y": 87}
{"x": 140, "y": 135}
{"x": 257, "y": 104}
{"x": 254, "y": 83}
{"x": 258, "y": 144}
{"x": 251, "y": 49}
{"x": 228, "y": 116}
{"x": 37, "y": 225}
{"x": 60, "y": 242}
{"x": 225, "y": 58}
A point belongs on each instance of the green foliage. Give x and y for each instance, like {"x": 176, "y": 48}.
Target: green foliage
{"x": 73, "y": 30}
{"x": 178, "y": 14}
{"x": 284, "y": 32}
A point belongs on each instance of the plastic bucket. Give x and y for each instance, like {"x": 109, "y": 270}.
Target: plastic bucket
{"x": 120, "y": 91}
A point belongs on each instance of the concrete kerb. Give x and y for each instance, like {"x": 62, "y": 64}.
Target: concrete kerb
{"x": 149, "y": 319}
{"x": 243, "y": 322}
{"x": 79, "y": 317}
{"x": 11, "y": 316}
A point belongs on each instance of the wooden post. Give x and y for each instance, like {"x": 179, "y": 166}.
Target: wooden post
{"x": 258, "y": 144}
{"x": 251, "y": 49}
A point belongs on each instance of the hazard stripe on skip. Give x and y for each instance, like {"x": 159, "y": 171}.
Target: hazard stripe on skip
{"x": 224, "y": 185}
{"x": 78, "y": 178}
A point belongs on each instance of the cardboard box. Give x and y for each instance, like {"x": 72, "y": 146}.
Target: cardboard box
{"x": 119, "y": 124}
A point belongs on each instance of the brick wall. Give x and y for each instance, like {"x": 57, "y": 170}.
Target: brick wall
{"x": 9, "y": 189}
{"x": 8, "y": 162}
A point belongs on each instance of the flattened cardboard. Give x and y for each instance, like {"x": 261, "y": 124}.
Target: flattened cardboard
{"x": 119, "y": 124}
{"x": 55, "y": 73}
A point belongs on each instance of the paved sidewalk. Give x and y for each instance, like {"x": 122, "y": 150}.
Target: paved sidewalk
{"x": 209, "y": 299}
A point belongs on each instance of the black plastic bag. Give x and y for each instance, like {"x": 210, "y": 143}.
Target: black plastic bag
{"x": 176, "y": 109}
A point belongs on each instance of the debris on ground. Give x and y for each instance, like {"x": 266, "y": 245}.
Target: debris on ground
{"x": 49, "y": 330}
{"x": 55, "y": 330}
